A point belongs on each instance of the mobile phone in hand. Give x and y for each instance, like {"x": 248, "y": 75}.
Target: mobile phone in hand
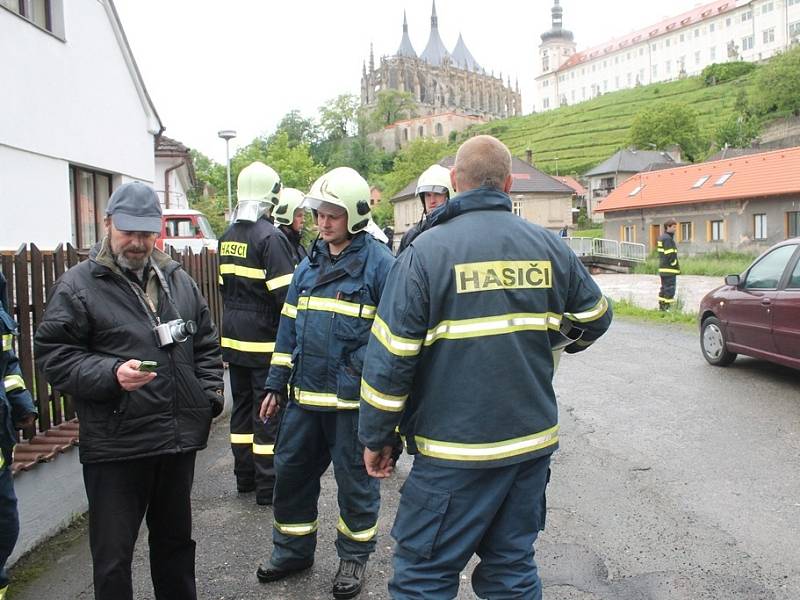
{"x": 148, "y": 366}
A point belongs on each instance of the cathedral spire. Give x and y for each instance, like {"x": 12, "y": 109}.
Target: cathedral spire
{"x": 435, "y": 53}
{"x": 463, "y": 58}
{"x": 434, "y": 18}
{"x": 406, "y": 49}
{"x": 371, "y": 58}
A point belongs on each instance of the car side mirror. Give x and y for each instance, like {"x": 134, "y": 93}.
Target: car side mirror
{"x": 733, "y": 280}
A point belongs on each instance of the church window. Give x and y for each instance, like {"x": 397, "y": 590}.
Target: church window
{"x": 405, "y": 135}
{"x": 420, "y": 131}
{"x": 439, "y": 129}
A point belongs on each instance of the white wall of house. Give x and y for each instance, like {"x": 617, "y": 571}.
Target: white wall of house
{"x": 70, "y": 101}
{"x": 177, "y": 180}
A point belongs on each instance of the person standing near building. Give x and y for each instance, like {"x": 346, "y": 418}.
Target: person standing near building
{"x": 319, "y": 353}
{"x": 290, "y": 217}
{"x": 16, "y": 412}
{"x": 256, "y": 263}
{"x": 460, "y": 358}
{"x": 128, "y": 336}
{"x": 668, "y": 267}
{"x": 434, "y": 189}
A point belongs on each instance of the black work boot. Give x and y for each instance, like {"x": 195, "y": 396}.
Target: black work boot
{"x": 349, "y": 579}
{"x": 268, "y": 572}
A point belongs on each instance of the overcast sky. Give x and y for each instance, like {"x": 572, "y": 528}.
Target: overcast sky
{"x": 243, "y": 64}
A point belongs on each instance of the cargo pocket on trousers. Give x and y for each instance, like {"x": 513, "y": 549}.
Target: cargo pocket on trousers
{"x": 419, "y": 518}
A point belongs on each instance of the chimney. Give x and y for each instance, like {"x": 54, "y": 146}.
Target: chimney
{"x": 674, "y": 152}
{"x": 529, "y": 156}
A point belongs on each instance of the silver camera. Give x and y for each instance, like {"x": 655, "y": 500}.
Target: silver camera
{"x": 173, "y": 331}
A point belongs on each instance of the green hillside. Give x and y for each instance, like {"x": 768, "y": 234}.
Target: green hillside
{"x": 585, "y": 134}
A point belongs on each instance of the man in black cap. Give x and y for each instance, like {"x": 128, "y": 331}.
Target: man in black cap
{"x": 128, "y": 335}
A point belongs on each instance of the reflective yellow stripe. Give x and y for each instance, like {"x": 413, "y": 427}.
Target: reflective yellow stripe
{"x": 241, "y": 438}
{"x": 359, "y": 536}
{"x": 279, "y": 282}
{"x": 491, "y": 451}
{"x": 323, "y": 399}
{"x": 667, "y": 300}
{"x": 5, "y": 589}
{"x": 395, "y": 344}
{"x": 219, "y": 280}
{"x": 7, "y": 337}
{"x": 13, "y": 382}
{"x": 382, "y": 401}
{"x": 264, "y": 449}
{"x": 670, "y": 271}
{"x": 241, "y": 271}
{"x": 281, "y": 359}
{"x": 496, "y": 325}
{"x": 342, "y": 307}
{"x": 594, "y": 313}
{"x": 296, "y": 528}
{"x": 247, "y": 346}
{"x": 289, "y": 310}
{"x": 670, "y": 251}
{"x": 2, "y": 464}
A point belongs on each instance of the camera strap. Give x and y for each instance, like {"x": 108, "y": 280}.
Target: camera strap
{"x": 165, "y": 286}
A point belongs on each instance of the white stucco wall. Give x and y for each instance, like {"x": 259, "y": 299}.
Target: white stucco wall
{"x": 177, "y": 189}
{"x": 67, "y": 102}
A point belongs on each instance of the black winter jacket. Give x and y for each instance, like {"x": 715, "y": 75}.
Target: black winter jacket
{"x": 94, "y": 321}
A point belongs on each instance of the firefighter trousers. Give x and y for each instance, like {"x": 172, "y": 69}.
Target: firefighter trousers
{"x": 666, "y": 295}
{"x": 308, "y": 441}
{"x": 447, "y": 514}
{"x": 9, "y": 521}
{"x": 252, "y": 441}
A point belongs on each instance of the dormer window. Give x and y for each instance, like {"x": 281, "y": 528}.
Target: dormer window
{"x": 723, "y": 178}
{"x": 699, "y": 183}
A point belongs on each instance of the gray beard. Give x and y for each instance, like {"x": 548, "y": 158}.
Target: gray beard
{"x": 135, "y": 266}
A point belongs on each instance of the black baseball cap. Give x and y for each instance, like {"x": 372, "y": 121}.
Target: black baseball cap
{"x": 135, "y": 207}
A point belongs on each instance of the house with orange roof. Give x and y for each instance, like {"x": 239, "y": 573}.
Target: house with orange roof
{"x": 743, "y": 203}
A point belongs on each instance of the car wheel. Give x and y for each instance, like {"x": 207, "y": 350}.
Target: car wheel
{"x": 712, "y": 342}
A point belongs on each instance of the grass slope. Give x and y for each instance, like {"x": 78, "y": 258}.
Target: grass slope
{"x": 585, "y": 134}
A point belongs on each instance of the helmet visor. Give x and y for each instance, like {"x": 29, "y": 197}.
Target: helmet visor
{"x": 317, "y": 204}
{"x": 436, "y": 189}
{"x": 249, "y": 210}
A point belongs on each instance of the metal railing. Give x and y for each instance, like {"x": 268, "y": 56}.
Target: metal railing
{"x": 604, "y": 248}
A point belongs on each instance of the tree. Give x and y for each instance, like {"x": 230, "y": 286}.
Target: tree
{"x": 411, "y": 161}
{"x": 391, "y": 106}
{"x": 665, "y": 124}
{"x": 338, "y": 117}
{"x": 298, "y": 129}
{"x": 210, "y": 194}
{"x": 295, "y": 164}
{"x": 777, "y": 85}
{"x": 737, "y": 131}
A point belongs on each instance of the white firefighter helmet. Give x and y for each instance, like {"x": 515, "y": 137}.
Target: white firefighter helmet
{"x": 436, "y": 179}
{"x": 289, "y": 201}
{"x": 257, "y": 191}
{"x": 345, "y": 188}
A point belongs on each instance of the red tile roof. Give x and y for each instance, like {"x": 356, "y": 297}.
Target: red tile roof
{"x": 45, "y": 446}
{"x": 775, "y": 173}
{"x": 573, "y": 183}
{"x": 688, "y": 19}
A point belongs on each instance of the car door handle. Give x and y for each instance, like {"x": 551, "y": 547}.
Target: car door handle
{"x": 766, "y": 301}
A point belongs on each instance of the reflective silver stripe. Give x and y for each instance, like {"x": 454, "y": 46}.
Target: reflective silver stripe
{"x": 241, "y": 271}
{"x": 490, "y": 451}
{"x": 360, "y": 536}
{"x": 382, "y": 401}
{"x": 395, "y": 344}
{"x": 7, "y": 338}
{"x": 13, "y": 382}
{"x": 296, "y": 528}
{"x": 263, "y": 449}
{"x": 289, "y": 310}
{"x": 342, "y": 307}
{"x": 281, "y": 359}
{"x": 279, "y": 282}
{"x": 242, "y": 346}
{"x": 241, "y": 438}
{"x": 496, "y": 325}
{"x": 594, "y": 313}
{"x": 323, "y": 399}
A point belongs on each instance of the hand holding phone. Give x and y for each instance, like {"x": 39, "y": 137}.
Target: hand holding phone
{"x": 148, "y": 366}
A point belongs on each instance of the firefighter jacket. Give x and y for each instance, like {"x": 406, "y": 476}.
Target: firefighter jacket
{"x": 255, "y": 268}
{"x": 460, "y": 351}
{"x": 15, "y": 400}
{"x": 296, "y": 242}
{"x": 667, "y": 255}
{"x": 325, "y": 324}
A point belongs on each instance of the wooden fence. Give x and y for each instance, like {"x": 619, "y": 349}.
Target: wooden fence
{"x": 31, "y": 274}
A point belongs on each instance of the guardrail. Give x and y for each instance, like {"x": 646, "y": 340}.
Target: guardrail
{"x": 604, "y": 248}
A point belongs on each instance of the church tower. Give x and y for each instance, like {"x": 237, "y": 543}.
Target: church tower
{"x": 556, "y": 48}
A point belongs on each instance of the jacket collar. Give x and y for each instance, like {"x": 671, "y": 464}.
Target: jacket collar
{"x": 350, "y": 260}
{"x": 482, "y": 198}
{"x": 101, "y": 255}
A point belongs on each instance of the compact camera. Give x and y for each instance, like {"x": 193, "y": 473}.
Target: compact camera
{"x": 173, "y": 331}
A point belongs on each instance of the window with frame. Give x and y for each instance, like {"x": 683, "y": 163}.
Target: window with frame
{"x": 711, "y": 27}
{"x": 747, "y": 15}
{"x": 38, "y": 12}
{"x": 686, "y": 231}
{"x": 747, "y": 42}
{"x": 516, "y": 207}
{"x": 793, "y": 223}
{"x": 766, "y": 273}
{"x": 420, "y": 131}
{"x": 546, "y": 103}
{"x": 728, "y": 22}
{"x": 769, "y": 35}
{"x": 712, "y": 53}
{"x": 794, "y": 29}
{"x": 89, "y": 193}
{"x": 760, "y": 226}
{"x": 716, "y": 231}
{"x": 439, "y": 129}
{"x": 793, "y": 2}
{"x": 697, "y": 57}
{"x": 628, "y": 233}
{"x": 768, "y": 7}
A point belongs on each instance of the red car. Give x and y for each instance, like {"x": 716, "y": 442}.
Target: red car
{"x": 756, "y": 313}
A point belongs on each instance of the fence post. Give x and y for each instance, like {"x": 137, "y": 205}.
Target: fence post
{"x": 24, "y": 345}
{"x": 37, "y": 291}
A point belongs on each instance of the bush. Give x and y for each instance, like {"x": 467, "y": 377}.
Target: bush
{"x": 721, "y": 72}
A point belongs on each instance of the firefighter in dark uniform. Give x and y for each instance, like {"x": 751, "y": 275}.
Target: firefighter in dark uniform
{"x": 668, "y": 267}
{"x": 434, "y": 189}
{"x": 16, "y": 412}
{"x": 461, "y": 359}
{"x": 290, "y": 217}
{"x": 255, "y": 268}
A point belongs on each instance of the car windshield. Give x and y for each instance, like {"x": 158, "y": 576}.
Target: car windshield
{"x": 766, "y": 273}
{"x": 205, "y": 227}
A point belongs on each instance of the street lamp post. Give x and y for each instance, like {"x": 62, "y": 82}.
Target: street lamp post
{"x": 228, "y": 135}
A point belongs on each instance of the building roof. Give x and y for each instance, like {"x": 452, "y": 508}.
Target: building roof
{"x": 754, "y": 176}
{"x": 527, "y": 179}
{"x": 435, "y": 53}
{"x": 631, "y": 161}
{"x": 557, "y": 32}
{"x": 463, "y": 58}
{"x": 689, "y": 18}
{"x": 166, "y": 147}
{"x": 735, "y": 153}
{"x": 573, "y": 183}
{"x": 406, "y": 48}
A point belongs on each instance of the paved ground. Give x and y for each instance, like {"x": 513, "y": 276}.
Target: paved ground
{"x": 642, "y": 290}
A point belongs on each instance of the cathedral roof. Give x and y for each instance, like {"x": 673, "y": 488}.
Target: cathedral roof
{"x": 434, "y": 52}
{"x": 463, "y": 58}
{"x": 406, "y": 49}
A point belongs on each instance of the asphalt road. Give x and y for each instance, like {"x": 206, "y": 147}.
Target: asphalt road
{"x": 675, "y": 480}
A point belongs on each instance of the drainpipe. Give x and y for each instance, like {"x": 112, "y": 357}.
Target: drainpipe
{"x": 166, "y": 181}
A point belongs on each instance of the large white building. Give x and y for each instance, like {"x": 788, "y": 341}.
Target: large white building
{"x": 717, "y": 32}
